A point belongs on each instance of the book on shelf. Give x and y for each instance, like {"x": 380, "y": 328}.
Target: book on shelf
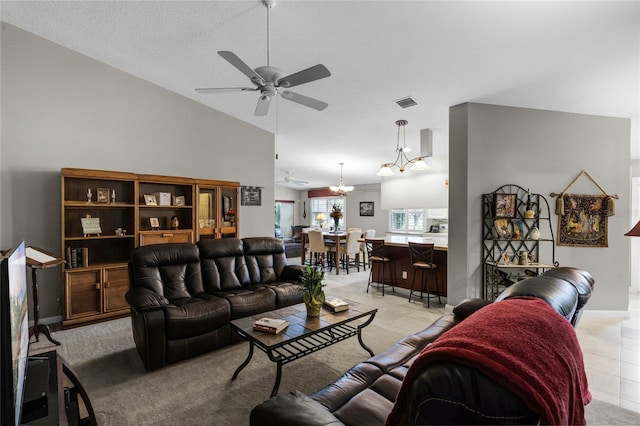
{"x": 270, "y": 325}
{"x": 336, "y": 304}
{"x": 77, "y": 257}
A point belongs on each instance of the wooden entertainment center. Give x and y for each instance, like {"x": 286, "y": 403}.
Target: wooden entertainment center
{"x": 106, "y": 214}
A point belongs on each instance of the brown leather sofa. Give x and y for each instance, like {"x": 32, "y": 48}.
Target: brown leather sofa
{"x": 447, "y": 392}
{"x": 183, "y": 296}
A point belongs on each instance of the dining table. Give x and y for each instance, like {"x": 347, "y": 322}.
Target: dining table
{"x": 335, "y": 236}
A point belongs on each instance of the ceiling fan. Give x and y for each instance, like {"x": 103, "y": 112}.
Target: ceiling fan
{"x": 268, "y": 80}
{"x": 290, "y": 179}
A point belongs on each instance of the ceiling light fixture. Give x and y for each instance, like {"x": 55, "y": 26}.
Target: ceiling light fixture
{"x": 341, "y": 189}
{"x": 402, "y": 161}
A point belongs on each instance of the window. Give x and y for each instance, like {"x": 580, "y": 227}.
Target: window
{"x": 324, "y": 205}
{"x": 407, "y": 220}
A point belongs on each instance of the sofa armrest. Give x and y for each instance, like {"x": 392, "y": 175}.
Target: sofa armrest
{"x": 142, "y": 299}
{"x": 292, "y": 273}
{"x": 292, "y": 409}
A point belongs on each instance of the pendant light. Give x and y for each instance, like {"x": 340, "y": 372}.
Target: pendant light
{"x": 341, "y": 189}
{"x": 402, "y": 161}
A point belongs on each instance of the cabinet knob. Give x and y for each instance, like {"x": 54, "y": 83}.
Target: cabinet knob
{"x": 167, "y": 235}
{"x": 97, "y": 286}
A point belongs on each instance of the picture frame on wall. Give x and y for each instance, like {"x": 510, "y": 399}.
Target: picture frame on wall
{"x": 366, "y": 208}
{"x": 251, "y": 195}
{"x": 504, "y": 205}
{"x": 150, "y": 200}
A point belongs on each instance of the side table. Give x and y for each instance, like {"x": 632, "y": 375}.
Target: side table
{"x": 38, "y": 258}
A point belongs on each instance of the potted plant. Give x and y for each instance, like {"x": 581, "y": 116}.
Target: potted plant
{"x": 312, "y": 284}
{"x": 336, "y": 214}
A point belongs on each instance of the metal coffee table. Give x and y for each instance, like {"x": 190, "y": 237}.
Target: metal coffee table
{"x": 304, "y": 335}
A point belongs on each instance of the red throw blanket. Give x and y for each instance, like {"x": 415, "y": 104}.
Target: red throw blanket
{"x": 522, "y": 344}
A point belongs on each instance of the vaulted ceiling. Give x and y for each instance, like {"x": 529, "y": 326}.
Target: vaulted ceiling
{"x": 573, "y": 56}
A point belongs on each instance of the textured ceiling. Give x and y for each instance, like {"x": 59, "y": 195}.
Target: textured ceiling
{"x": 572, "y": 56}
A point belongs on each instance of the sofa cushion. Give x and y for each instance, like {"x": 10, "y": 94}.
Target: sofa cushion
{"x": 265, "y": 258}
{"x": 292, "y": 409}
{"x": 223, "y": 264}
{"x": 170, "y": 270}
{"x": 193, "y": 316}
{"x": 250, "y": 301}
{"x": 469, "y": 306}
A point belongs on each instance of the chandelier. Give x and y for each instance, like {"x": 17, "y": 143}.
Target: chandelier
{"x": 341, "y": 189}
{"x": 402, "y": 161}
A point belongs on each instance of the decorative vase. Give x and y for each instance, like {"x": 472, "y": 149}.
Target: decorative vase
{"x": 313, "y": 304}
{"x": 534, "y": 233}
{"x": 336, "y": 221}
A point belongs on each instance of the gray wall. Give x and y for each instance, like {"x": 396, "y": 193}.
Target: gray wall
{"x": 63, "y": 109}
{"x": 544, "y": 151}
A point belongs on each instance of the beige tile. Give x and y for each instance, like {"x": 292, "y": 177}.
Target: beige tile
{"x": 630, "y": 390}
{"x": 629, "y": 405}
{"x": 631, "y": 356}
{"x": 630, "y": 371}
{"x": 608, "y": 384}
{"x": 601, "y": 364}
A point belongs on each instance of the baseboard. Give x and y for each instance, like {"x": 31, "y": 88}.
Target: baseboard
{"x": 49, "y": 320}
{"x": 605, "y": 314}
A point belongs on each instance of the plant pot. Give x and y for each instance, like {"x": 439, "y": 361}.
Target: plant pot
{"x": 313, "y": 304}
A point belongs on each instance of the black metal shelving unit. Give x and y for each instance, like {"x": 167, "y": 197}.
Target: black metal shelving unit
{"x": 516, "y": 224}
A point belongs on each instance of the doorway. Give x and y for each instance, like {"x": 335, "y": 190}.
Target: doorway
{"x": 284, "y": 218}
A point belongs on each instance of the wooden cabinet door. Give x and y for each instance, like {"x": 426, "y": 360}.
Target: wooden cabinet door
{"x": 114, "y": 287}
{"x": 83, "y": 292}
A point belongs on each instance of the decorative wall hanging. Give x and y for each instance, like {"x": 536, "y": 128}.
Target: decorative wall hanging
{"x": 583, "y": 219}
{"x": 251, "y": 195}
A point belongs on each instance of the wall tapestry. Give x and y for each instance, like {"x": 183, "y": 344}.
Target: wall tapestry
{"x": 583, "y": 219}
{"x": 584, "y": 222}
{"x": 251, "y": 195}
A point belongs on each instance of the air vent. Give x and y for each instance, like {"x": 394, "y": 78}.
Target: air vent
{"x": 406, "y": 102}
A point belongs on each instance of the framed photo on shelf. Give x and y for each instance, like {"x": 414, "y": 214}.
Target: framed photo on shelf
{"x": 178, "y": 200}
{"x": 103, "y": 195}
{"x": 503, "y": 227}
{"x": 504, "y": 205}
{"x": 366, "y": 208}
{"x": 154, "y": 222}
{"x": 150, "y": 200}
{"x": 518, "y": 229}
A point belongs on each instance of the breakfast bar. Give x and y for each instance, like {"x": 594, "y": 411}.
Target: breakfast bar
{"x": 402, "y": 269}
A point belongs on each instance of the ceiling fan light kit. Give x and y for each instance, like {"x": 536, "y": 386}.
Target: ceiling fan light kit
{"x": 402, "y": 161}
{"x": 341, "y": 189}
{"x": 268, "y": 79}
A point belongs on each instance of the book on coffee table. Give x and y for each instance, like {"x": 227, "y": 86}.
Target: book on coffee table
{"x": 270, "y": 325}
{"x": 335, "y": 304}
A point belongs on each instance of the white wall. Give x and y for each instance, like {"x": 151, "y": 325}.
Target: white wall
{"x": 63, "y": 109}
{"x": 544, "y": 151}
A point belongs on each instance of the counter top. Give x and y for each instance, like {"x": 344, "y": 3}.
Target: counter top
{"x": 403, "y": 240}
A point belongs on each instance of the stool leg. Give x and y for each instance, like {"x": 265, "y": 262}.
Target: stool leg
{"x": 435, "y": 276}
{"x": 413, "y": 283}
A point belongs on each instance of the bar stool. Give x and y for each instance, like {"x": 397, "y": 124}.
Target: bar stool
{"x": 377, "y": 254}
{"x": 421, "y": 256}
{"x": 369, "y": 233}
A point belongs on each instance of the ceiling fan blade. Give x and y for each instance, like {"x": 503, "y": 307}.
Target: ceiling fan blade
{"x": 233, "y": 59}
{"x": 206, "y": 90}
{"x": 262, "y": 108}
{"x": 305, "y": 76}
{"x": 304, "y": 100}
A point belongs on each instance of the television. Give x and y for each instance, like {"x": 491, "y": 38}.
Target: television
{"x": 14, "y": 333}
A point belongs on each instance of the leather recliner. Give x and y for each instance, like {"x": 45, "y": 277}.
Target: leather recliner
{"x": 183, "y": 296}
{"x": 446, "y": 392}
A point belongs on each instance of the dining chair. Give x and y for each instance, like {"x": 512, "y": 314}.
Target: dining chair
{"x": 377, "y": 254}
{"x": 318, "y": 250}
{"x": 421, "y": 257}
{"x": 351, "y": 247}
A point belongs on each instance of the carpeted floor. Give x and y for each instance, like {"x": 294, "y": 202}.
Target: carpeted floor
{"x": 199, "y": 391}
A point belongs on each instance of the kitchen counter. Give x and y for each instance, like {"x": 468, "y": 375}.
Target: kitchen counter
{"x": 403, "y": 271}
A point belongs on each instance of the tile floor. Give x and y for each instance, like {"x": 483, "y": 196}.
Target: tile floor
{"x": 611, "y": 348}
